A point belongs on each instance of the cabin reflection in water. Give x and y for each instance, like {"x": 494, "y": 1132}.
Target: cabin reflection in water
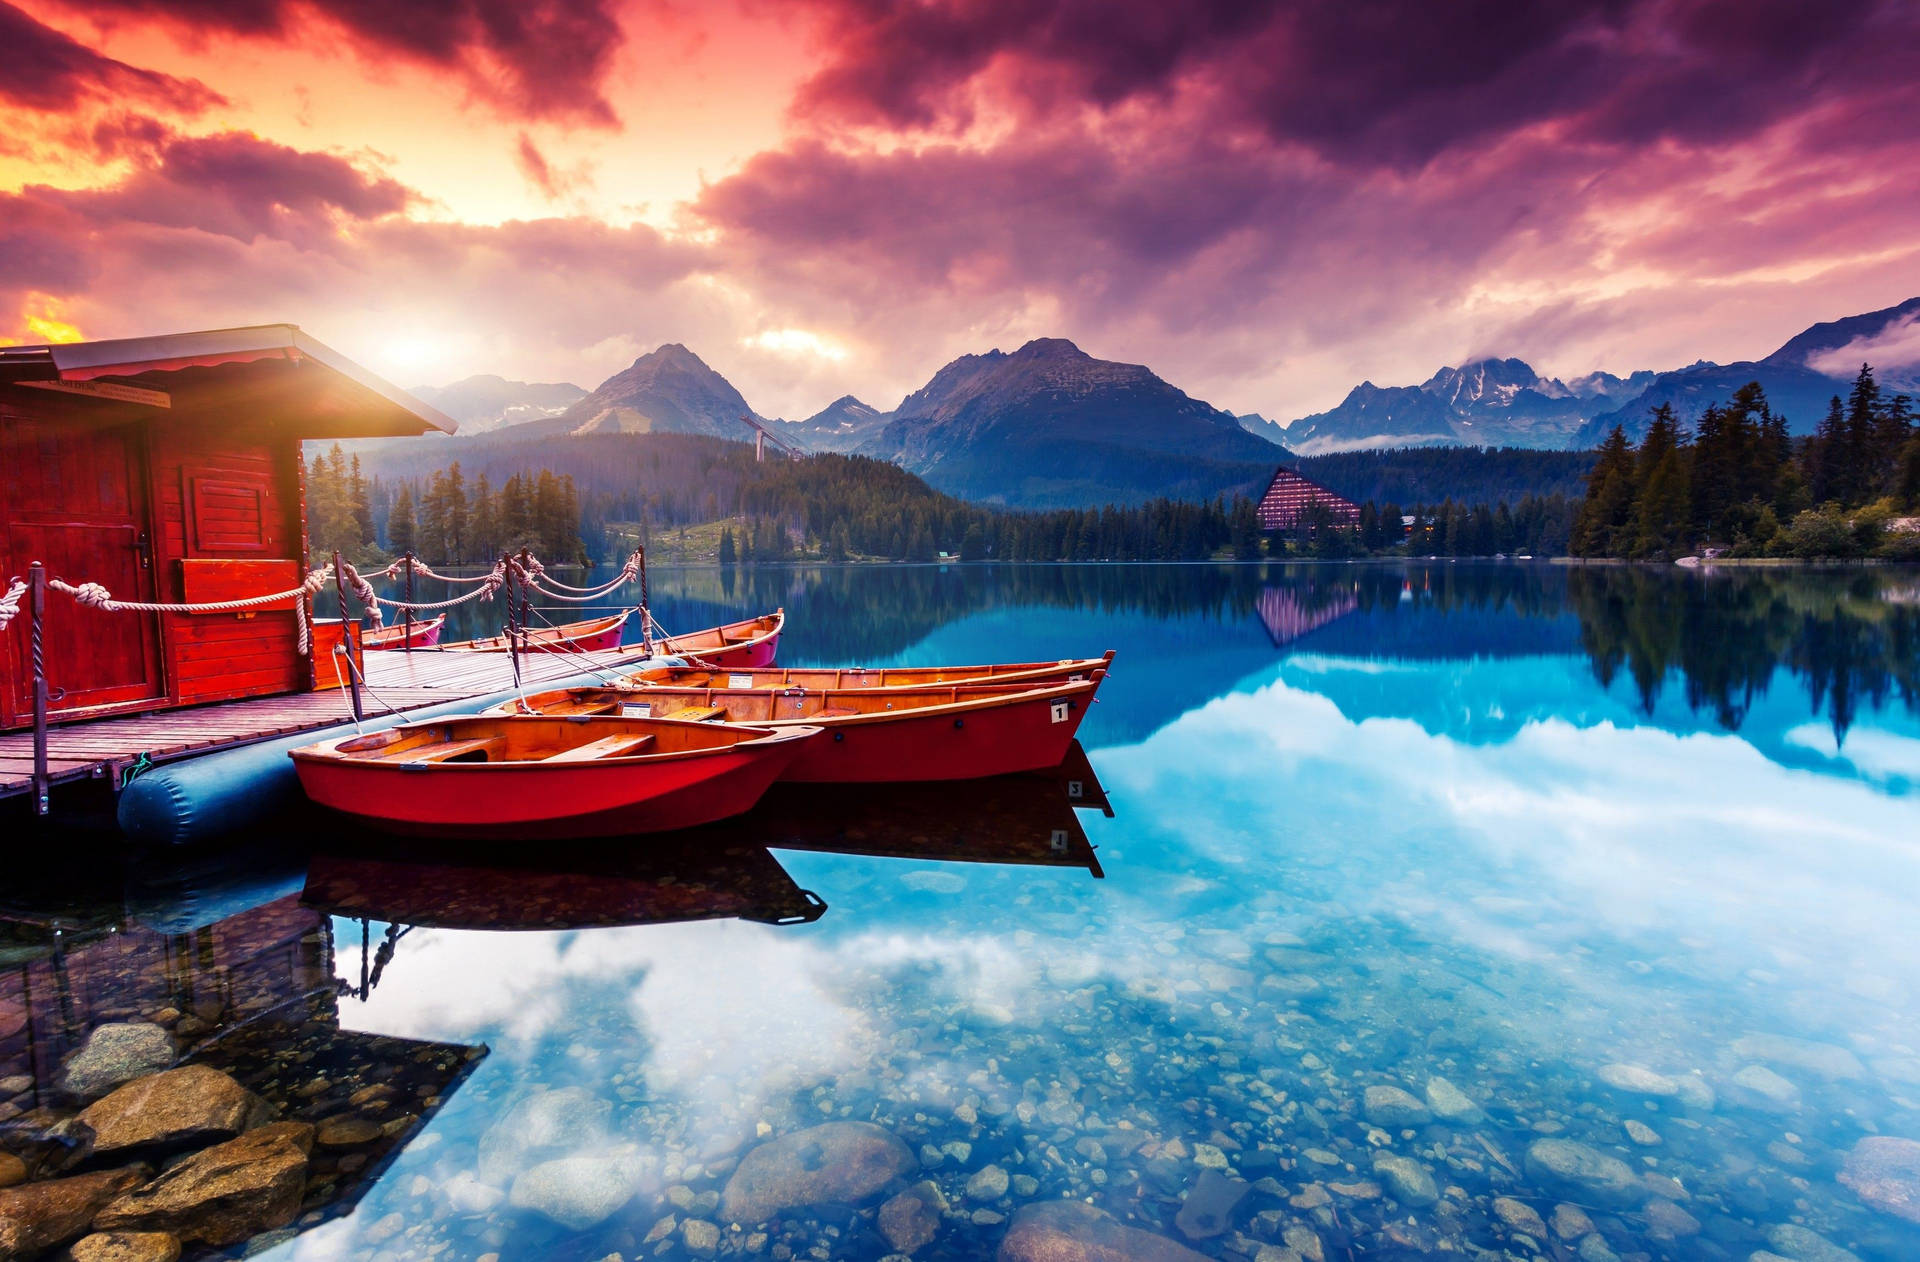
{"x": 252, "y": 994}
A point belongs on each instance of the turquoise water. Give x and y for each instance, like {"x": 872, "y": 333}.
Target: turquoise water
{"x": 1591, "y": 848}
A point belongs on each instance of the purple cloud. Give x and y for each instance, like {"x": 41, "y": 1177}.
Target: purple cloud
{"x": 47, "y": 70}
{"x": 536, "y": 59}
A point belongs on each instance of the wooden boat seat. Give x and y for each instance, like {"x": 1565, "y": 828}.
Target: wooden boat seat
{"x": 698, "y": 713}
{"x": 620, "y": 745}
{"x": 446, "y": 751}
{"x": 582, "y": 705}
{"x": 833, "y": 712}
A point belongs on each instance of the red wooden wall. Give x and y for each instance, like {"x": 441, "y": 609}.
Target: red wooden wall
{"x": 124, "y": 496}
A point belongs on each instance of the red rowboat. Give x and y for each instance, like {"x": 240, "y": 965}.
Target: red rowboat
{"x": 515, "y": 778}
{"x": 892, "y": 678}
{"x": 590, "y": 636}
{"x": 957, "y": 732}
{"x": 743, "y": 645}
{"x": 425, "y": 635}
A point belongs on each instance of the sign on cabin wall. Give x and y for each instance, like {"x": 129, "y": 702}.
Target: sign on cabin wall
{"x": 105, "y": 390}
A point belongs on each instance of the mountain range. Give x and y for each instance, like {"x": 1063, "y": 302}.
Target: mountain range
{"x": 1048, "y": 425}
{"x": 1503, "y": 402}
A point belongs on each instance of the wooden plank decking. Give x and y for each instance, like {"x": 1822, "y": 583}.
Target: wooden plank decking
{"x": 104, "y": 748}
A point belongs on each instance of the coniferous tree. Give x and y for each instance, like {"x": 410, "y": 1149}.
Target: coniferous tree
{"x": 727, "y": 554}
{"x": 1601, "y": 525}
{"x": 400, "y": 525}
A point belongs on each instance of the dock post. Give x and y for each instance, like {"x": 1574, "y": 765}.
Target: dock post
{"x": 345, "y": 647}
{"x": 406, "y": 642}
{"x": 37, "y": 607}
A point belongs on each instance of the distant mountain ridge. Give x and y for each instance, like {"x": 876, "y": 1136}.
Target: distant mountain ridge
{"x": 1504, "y": 402}
{"x": 1799, "y": 378}
{"x": 1049, "y": 425}
{"x": 1484, "y": 402}
{"x": 840, "y": 426}
{"x": 487, "y": 402}
{"x": 670, "y": 390}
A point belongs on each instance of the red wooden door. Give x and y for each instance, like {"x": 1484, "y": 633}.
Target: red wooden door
{"x": 76, "y": 498}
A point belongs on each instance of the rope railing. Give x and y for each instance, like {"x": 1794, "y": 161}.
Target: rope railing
{"x": 528, "y": 570}
{"x": 96, "y": 596}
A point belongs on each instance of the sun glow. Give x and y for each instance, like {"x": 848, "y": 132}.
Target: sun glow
{"x": 43, "y": 318}
{"x": 799, "y": 343}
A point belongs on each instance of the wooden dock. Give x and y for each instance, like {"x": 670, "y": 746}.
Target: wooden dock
{"x": 103, "y": 749}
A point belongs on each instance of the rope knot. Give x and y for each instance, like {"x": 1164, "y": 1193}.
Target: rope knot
{"x": 93, "y": 595}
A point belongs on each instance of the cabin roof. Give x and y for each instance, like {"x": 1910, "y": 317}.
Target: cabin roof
{"x": 275, "y": 368}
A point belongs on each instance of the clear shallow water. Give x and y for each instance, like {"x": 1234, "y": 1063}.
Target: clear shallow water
{"x": 1503, "y": 826}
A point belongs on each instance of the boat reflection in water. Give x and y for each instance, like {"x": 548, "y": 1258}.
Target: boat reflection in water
{"x": 240, "y": 963}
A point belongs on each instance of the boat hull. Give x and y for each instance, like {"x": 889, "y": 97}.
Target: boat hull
{"x": 1022, "y": 734}
{"x": 591, "y": 636}
{"x": 513, "y": 802}
{"x": 425, "y": 635}
{"x": 748, "y": 645}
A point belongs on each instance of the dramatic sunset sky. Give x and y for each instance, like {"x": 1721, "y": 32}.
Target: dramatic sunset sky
{"x": 1266, "y": 202}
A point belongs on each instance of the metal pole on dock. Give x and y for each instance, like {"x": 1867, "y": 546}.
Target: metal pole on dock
{"x": 346, "y": 641}
{"x": 37, "y": 587}
{"x": 513, "y": 624}
{"x": 406, "y": 642}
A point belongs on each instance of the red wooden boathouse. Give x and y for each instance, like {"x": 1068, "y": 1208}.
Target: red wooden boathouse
{"x": 169, "y": 469}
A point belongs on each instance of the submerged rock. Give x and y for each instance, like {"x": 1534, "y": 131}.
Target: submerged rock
{"x": 578, "y": 1192}
{"x": 225, "y": 1193}
{"x": 1824, "y": 1060}
{"x": 836, "y": 1161}
{"x": 542, "y": 1127}
{"x": 1405, "y": 1179}
{"x": 116, "y": 1054}
{"x": 1450, "y": 1104}
{"x": 126, "y": 1246}
{"x": 1394, "y": 1108}
{"x": 178, "y": 1108}
{"x": 988, "y": 1184}
{"x": 37, "y": 1216}
{"x": 1638, "y": 1080}
{"x": 1566, "y": 1164}
{"x": 1073, "y": 1231}
{"x": 911, "y": 1220}
{"x": 1885, "y": 1173}
{"x": 1208, "y": 1208}
{"x": 1519, "y": 1216}
{"x": 1804, "y": 1245}
{"x": 1766, "y": 1090}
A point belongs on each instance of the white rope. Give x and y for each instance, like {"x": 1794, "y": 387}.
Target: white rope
{"x": 10, "y": 603}
{"x": 96, "y": 596}
{"x": 399, "y": 568}
{"x": 533, "y": 574}
{"x": 492, "y": 581}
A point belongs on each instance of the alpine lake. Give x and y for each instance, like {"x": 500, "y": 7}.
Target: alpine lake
{"x": 1395, "y": 911}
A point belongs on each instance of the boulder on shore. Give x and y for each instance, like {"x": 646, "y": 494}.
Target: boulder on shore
{"x": 115, "y": 1054}
{"x": 835, "y": 1161}
{"x": 37, "y": 1216}
{"x": 225, "y": 1193}
{"x": 178, "y": 1108}
{"x": 126, "y": 1246}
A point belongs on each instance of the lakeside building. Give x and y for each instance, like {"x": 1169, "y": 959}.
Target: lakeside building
{"x": 1289, "y": 496}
